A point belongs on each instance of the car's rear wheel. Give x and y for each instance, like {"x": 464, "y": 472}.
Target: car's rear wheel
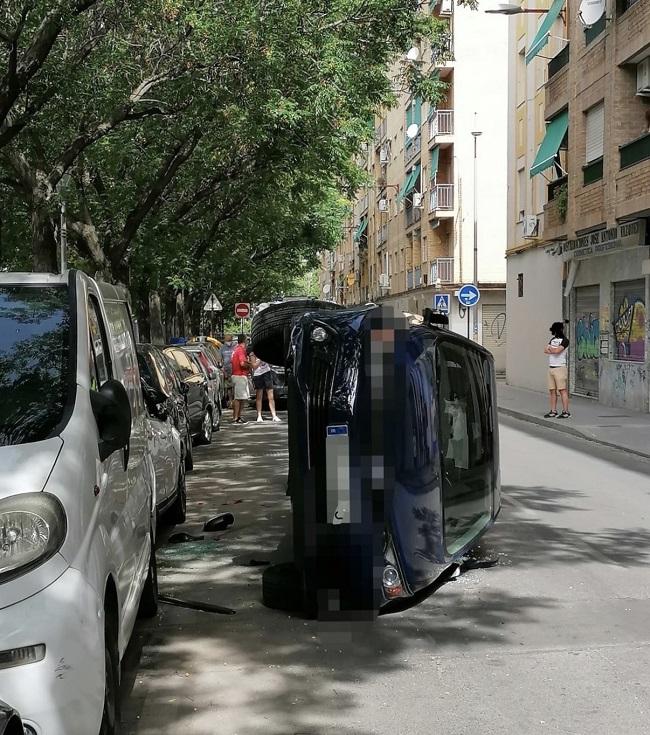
{"x": 189, "y": 456}
{"x": 271, "y": 327}
{"x": 178, "y": 511}
{"x": 218, "y": 411}
{"x": 111, "y": 715}
{"x": 149, "y": 599}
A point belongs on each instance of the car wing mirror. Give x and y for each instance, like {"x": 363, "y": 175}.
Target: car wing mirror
{"x": 112, "y": 411}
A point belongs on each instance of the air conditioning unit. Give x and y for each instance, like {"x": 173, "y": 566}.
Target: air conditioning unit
{"x": 384, "y": 154}
{"x": 383, "y": 205}
{"x": 383, "y": 280}
{"x": 447, "y": 7}
{"x": 531, "y": 226}
{"x": 418, "y": 200}
{"x": 643, "y": 77}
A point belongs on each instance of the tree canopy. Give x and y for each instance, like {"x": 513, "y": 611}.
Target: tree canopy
{"x": 193, "y": 142}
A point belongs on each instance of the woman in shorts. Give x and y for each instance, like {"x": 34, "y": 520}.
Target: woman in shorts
{"x": 263, "y": 381}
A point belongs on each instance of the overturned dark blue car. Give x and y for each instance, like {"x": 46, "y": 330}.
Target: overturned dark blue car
{"x": 394, "y": 460}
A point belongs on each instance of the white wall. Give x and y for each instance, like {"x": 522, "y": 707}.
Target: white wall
{"x": 530, "y": 316}
{"x": 481, "y": 86}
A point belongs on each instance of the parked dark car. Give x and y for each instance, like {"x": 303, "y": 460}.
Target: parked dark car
{"x": 197, "y": 394}
{"x": 212, "y": 366}
{"x": 164, "y": 395}
{"x": 393, "y": 456}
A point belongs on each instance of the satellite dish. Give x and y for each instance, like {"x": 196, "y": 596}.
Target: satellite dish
{"x": 412, "y": 131}
{"x": 413, "y": 54}
{"x": 591, "y": 11}
{"x": 326, "y": 289}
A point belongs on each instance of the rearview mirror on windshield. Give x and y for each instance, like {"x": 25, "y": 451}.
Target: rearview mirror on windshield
{"x": 113, "y": 415}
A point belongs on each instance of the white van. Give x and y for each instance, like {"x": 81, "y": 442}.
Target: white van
{"x": 77, "y": 519}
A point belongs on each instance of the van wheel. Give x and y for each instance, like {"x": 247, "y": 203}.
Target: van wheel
{"x": 149, "y": 600}
{"x": 111, "y": 716}
{"x": 271, "y": 327}
{"x": 178, "y": 511}
{"x": 281, "y": 588}
{"x": 205, "y": 437}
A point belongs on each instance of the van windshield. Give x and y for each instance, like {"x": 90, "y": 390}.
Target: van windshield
{"x": 34, "y": 361}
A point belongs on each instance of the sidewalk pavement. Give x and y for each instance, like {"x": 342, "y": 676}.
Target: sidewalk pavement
{"x": 612, "y": 427}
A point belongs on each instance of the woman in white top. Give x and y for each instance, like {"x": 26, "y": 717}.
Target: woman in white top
{"x": 263, "y": 381}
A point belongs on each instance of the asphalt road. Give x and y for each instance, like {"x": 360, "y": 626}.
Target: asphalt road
{"x": 555, "y": 639}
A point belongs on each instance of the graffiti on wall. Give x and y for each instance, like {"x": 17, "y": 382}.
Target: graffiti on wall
{"x": 587, "y": 336}
{"x": 629, "y": 328}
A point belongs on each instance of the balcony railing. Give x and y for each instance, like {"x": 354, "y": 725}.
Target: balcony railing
{"x": 443, "y": 50}
{"x": 442, "y": 269}
{"x": 381, "y": 131}
{"x": 363, "y": 203}
{"x": 413, "y": 215}
{"x": 382, "y": 234}
{"x": 441, "y": 197}
{"x": 442, "y": 123}
{"x": 409, "y": 280}
{"x": 636, "y": 151}
{"x": 559, "y": 61}
{"x": 412, "y": 148}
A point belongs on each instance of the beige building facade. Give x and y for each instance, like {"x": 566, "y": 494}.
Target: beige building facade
{"x": 579, "y": 198}
{"x": 410, "y": 238}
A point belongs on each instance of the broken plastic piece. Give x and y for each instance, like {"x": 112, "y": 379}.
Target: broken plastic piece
{"x": 219, "y": 522}
{"x": 182, "y": 537}
{"x": 193, "y": 605}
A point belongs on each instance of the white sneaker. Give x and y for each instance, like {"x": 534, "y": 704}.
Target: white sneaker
{"x": 260, "y": 420}
{"x": 277, "y": 420}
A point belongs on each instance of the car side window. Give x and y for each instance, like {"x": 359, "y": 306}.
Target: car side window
{"x": 123, "y": 343}
{"x": 100, "y": 361}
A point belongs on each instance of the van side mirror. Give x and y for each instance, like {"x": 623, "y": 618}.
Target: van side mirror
{"x": 112, "y": 411}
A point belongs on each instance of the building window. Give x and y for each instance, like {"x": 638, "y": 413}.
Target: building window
{"x": 629, "y": 320}
{"x": 520, "y": 285}
{"x": 594, "y": 136}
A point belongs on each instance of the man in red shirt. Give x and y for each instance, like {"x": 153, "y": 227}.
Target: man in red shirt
{"x": 240, "y": 370}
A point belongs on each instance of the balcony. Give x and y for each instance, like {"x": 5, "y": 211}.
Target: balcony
{"x": 635, "y": 152}
{"x": 442, "y": 54}
{"x": 380, "y": 132}
{"x": 441, "y": 199}
{"x": 382, "y": 234}
{"x": 559, "y": 61}
{"x": 413, "y": 215}
{"x": 556, "y": 92}
{"x": 441, "y": 126}
{"x": 555, "y": 210}
{"x": 412, "y": 148}
{"x": 442, "y": 269}
{"x": 632, "y": 180}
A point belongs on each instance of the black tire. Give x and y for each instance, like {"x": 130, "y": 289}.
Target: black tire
{"x": 149, "y": 600}
{"x": 189, "y": 455}
{"x": 271, "y": 327}
{"x": 111, "y": 716}
{"x": 178, "y": 510}
{"x": 216, "y": 422}
{"x": 281, "y": 588}
{"x": 205, "y": 435}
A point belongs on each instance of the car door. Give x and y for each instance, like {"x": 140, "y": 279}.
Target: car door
{"x": 137, "y": 507}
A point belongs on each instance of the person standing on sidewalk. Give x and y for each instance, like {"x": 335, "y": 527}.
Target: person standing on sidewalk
{"x": 263, "y": 381}
{"x": 558, "y": 374}
{"x": 228, "y": 347}
{"x": 240, "y": 371}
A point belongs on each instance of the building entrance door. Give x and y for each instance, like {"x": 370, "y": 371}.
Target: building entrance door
{"x": 587, "y": 339}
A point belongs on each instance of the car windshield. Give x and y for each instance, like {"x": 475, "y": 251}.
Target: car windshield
{"x": 34, "y": 361}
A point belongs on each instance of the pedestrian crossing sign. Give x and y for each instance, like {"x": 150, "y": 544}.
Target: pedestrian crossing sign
{"x": 441, "y": 303}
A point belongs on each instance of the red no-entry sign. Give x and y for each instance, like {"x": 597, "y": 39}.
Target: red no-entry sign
{"x": 242, "y": 311}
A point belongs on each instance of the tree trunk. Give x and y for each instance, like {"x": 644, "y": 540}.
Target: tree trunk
{"x": 155, "y": 319}
{"x": 44, "y": 246}
{"x": 179, "y": 322}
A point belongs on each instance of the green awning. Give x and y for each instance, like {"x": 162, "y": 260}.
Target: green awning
{"x": 555, "y": 132}
{"x": 435, "y": 155}
{"x": 541, "y": 37}
{"x": 409, "y": 184}
{"x": 360, "y": 230}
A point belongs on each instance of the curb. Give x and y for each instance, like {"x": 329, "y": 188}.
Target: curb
{"x": 564, "y": 429}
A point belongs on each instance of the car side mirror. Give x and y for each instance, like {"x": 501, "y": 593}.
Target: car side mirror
{"x": 112, "y": 411}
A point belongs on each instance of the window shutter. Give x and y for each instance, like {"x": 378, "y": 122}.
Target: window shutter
{"x": 594, "y": 125}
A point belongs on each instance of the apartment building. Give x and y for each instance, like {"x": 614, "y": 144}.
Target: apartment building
{"x": 580, "y": 195}
{"x": 410, "y": 237}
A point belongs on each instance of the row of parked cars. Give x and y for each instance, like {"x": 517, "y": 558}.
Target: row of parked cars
{"x": 96, "y": 435}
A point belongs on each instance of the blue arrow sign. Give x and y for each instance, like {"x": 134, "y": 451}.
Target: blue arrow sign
{"x": 441, "y": 303}
{"x": 469, "y": 295}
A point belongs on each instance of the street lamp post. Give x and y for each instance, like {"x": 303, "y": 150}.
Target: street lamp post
{"x": 475, "y": 133}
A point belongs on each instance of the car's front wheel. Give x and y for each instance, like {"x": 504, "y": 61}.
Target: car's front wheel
{"x": 149, "y": 599}
{"x": 205, "y": 437}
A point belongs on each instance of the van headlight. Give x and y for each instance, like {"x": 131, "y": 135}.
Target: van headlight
{"x": 32, "y": 529}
